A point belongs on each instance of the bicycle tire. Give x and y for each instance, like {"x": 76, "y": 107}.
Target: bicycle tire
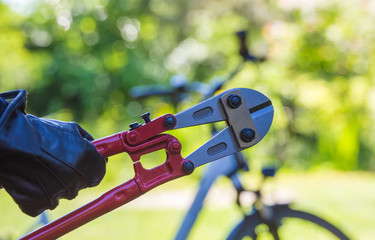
{"x": 247, "y": 227}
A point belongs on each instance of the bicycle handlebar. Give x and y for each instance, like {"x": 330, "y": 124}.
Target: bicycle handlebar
{"x": 179, "y": 84}
{"x": 244, "y": 52}
{"x": 151, "y": 90}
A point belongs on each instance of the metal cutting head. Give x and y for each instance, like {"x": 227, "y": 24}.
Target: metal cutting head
{"x": 248, "y": 114}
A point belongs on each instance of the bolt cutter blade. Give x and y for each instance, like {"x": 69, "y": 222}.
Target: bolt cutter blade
{"x": 205, "y": 112}
{"x": 224, "y": 143}
{"x": 210, "y": 110}
{"x": 249, "y": 116}
{"x": 219, "y": 146}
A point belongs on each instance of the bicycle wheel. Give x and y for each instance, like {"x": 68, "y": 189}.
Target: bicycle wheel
{"x": 285, "y": 224}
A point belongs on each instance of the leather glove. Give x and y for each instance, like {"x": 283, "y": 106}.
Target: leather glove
{"x": 42, "y": 160}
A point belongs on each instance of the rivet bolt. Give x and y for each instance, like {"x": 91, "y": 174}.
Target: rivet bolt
{"x": 188, "y": 166}
{"x": 234, "y": 101}
{"x": 170, "y": 121}
{"x": 247, "y": 134}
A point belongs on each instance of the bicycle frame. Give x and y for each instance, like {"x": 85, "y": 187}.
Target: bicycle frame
{"x": 226, "y": 166}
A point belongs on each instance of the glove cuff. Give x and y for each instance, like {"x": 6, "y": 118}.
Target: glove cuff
{"x": 17, "y": 101}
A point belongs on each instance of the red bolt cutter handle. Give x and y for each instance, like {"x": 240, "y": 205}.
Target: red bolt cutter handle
{"x": 142, "y": 141}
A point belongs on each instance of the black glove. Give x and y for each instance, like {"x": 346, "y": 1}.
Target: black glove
{"x": 43, "y": 160}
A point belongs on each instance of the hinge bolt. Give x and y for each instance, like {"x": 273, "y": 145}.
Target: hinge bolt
{"x": 247, "y": 134}
{"x": 188, "y": 166}
{"x": 234, "y": 101}
{"x": 170, "y": 121}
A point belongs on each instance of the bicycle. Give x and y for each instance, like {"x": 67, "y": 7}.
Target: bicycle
{"x": 270, "y": 216}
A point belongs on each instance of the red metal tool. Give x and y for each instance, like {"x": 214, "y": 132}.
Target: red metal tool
{"x": 248, "y": 114}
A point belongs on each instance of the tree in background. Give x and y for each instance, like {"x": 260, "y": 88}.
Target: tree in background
{"x": 78, "y": 59}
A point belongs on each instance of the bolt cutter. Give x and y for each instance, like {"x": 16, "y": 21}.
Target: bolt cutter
{"x": 248, "y": 115}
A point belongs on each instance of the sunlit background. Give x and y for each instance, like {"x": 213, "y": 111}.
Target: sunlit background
{"x": 79, "y": 59}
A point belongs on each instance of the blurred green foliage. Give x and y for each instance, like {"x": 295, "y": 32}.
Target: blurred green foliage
{"x": 78, "y": 60}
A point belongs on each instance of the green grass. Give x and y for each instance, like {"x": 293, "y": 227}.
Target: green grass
{"x": 345, "y": 199}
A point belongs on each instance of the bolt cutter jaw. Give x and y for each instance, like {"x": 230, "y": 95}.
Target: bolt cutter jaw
{"x": 248, "y": 114}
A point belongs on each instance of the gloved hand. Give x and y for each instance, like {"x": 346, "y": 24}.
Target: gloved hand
{"x": 42, "y": 160}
